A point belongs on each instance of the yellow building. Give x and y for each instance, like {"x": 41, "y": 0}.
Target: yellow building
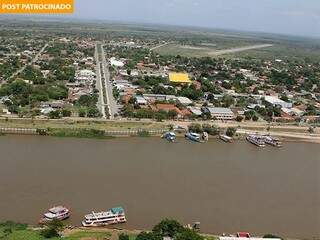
{"x": 180, "y": 78}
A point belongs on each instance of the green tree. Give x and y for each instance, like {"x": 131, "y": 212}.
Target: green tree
{"x": 66, "y": 112}
{"x": 123, "y": 236}
{"x": 168, "y": 228}
{"x": 52, "y": 228}
{"x": 54, "y": 114}
{"x": 231, "y": 131}
{"x": 188, "y": 234}
{"x": 195, "y": 127}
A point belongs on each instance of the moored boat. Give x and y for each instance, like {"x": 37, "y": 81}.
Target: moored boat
{"x": 256, "y": 140}
{"x": 97, "y": 219}
{"x": 57, "y": 212}
{"x": 193, "y": 136}
{"x": 272, "y": 141}
{"x": 226, "y": 138}
{"x": 170, "y": 136}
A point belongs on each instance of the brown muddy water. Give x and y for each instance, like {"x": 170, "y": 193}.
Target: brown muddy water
{"x": 227, "y": 187}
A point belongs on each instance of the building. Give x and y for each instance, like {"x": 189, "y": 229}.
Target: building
{"x": 116, "y": 63}
{"x": 179, "y": 78}
{"x": 184, "y": 101}
{"x": 274, "y": 101}
{"x": 220, "y": 113}
{"x": 141, "y": 100}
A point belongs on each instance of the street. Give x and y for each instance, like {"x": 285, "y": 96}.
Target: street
{"x": 99, "y": 85}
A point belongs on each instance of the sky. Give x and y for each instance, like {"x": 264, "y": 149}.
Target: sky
{"x": 294, "y": 17}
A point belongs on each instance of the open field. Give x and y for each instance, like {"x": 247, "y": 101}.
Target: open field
{"x": 85, "y": 124}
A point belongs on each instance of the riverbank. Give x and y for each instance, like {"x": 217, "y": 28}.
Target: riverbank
{"x": 104, "y": 129}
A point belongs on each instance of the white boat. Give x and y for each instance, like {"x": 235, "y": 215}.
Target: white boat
{"x": 256, "y": 140}
{"x": 226, "y": 138}
{"x": 58, "y": 212}
{"x": 170, "y": 136}
{"x": 97, "y": 219}
{"x": 272, "y": 141}
{"x": 193, "y": 136}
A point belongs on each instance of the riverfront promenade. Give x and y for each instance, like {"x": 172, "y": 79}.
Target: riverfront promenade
{"x": 285, "y": 131}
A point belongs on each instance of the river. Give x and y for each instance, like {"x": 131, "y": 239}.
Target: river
{"x": 227, "y": 187}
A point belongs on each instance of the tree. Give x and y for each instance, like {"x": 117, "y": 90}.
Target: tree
{"x": 123, "y": 236}
{"x": 148, "y": 236}
{"x": 231, "y": 131}
{"x": 93, "y": 112}
{"x": 249, "y": 114}
{"x": 212, "y": 130}
{"x": 239, "y": 118}
{"x": 167, "y": 228}
{"x": 255, "y": 118}
{"x": 195, "y": 127}
{"x": 188, "y": 234}
{"x": 82, "y": 112}
{"x": 52, "y": 228}
{"x": 172, "y": 114}
{"x": 66, "y": 113}
{"x": 54, "y": 114}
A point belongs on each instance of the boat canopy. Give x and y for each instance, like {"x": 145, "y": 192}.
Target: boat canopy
{"x": 117, "y": 210}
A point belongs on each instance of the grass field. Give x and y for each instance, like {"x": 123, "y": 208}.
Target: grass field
{"x": 85, "y": 124}
{"x": 14, "y": 231}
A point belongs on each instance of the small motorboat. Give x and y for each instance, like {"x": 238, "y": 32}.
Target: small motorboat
{"x": 170, "y": 136}
{"x": 193, "y": 136}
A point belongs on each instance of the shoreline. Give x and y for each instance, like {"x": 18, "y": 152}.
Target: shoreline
{"x": 108, "y": 129}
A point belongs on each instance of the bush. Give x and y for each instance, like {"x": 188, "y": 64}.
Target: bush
{"x": 66, "y": 113}
{"x": 239, "y": 118}
{"x": 82, "y": 112}
{"x": 255, "y": 118}
{"x": 49, "y": 233}
{"x": 143, "y": 133}
{"x": 54, "y": 114}
{"x": 123, "y": 236}
{"x": 212, "y": 130}
{"x": 195, "y": 127}
{"x": 231, "y": 131}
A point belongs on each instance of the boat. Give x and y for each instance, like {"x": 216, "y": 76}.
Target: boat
{"x": 272, "y": 141}
{"x": 256, "y": 140}
{"x": 57, "y": 212}
{"x": 115, "y": 215}
{"x": 193, "y": 136}
{"x": 170, "y": 136}
{"x": 226, "y": 138}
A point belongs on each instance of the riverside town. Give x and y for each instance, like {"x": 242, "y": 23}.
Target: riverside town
{"x": 141, "y": 120}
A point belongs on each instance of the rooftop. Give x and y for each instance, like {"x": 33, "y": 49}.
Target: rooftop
{"x": 179, "y": 77}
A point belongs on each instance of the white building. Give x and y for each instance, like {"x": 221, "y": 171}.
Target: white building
{"x": 274, "y": 101}
{"x": 184, "y": 101}
{"x": 116, "y": 63}
{"x": 141, "y": 100}
{"x": 220, "y": 113}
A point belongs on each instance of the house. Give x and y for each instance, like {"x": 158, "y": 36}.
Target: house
{"x": 179, "y": 78}
{"x": 195, "y": 111}
{"x": 274, "y": 101}
{"x": 116, "y": 63}
{"x": 184, "y": 101}
{"x": 220, "y": 113}
{"x": 141, "y": 100}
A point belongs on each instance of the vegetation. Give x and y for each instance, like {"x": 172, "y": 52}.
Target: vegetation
{"x": 231, "y": 131}
{"x": 77, "y": 133}
{"x": 52, "y": 229}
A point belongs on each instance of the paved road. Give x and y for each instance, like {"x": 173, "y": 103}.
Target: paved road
{"x": 111, "y": 101}
{"x": 36, "y": 57}
{"x": 100, "y": 104}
